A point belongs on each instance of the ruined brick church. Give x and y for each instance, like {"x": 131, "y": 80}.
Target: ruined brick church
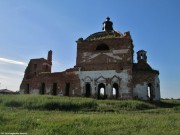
{"x": 104, "y": 69}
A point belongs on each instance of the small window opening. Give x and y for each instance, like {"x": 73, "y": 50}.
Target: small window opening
{"x": 141, "y": 56}
{"x": 102, "y": 47}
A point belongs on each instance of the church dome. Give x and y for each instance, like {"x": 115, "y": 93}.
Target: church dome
{"x": 104, "y": 35}
{"x": 107, "y": 32}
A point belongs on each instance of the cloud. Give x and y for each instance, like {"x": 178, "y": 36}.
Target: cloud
{"x": 12, "y": 62}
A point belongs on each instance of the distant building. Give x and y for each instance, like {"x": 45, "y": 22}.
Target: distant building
{"x": 104, "y": 69}
{"x": 6, "y": 91}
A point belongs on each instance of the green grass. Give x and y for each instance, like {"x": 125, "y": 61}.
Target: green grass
{"x": 51, "y": 115}
{"x": 38, "y": 102}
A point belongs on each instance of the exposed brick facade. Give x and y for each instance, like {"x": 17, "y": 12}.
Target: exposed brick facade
{"x": 104, "y": 69}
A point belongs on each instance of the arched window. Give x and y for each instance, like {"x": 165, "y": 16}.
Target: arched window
{"x": 150, "y": 92}
{"x": 101, "y": 91}
{"x": 141, "y": 56}
{"x": 115, "y": 90}
{"x": 88, "y": 90}
{"x": 102, "y": 47}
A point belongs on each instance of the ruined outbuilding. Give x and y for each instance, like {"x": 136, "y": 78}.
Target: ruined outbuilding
{"x": 104, "y": 69}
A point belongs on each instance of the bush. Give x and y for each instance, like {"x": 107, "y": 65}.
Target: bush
{"x": 13, "y": 103}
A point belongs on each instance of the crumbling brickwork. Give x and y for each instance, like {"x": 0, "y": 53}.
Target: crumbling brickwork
{"x": 104, "y": 69}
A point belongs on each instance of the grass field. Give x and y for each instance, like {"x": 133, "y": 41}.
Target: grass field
{"x": 52, "y": 115}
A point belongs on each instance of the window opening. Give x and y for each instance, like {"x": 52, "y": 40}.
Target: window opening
{"x": 102, "y": 47}
{"x": 54, "y": 90}
{"x": 150, "y": 92}
{"x": 88, "y": 90}
{"x": 101, "y": 91}
{"x": 115, "y": 90}
{"x": 27, "y": 89}
{"x": 42, "y": 91}
{"x": 35, "y": 66}
{"x": 67, "y": 89}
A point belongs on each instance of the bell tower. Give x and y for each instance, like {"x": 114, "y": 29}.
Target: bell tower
{"x": 141, "y": 56}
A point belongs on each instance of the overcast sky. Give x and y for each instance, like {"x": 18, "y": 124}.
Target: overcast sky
{"x": 30, "y": 28}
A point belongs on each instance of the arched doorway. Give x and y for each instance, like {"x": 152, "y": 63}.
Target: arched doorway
{"x": 54, "y": 89}
{"x": 42, "y": 91}
{"x": 115, "y": 90}
{"x": 150, "y": 92}
{"x": 67, "y": 88}
{"x": 88, "y": 90}
{"x": 101, "y": 91}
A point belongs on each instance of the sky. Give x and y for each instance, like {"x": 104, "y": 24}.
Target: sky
{"x": 30, "y": 28}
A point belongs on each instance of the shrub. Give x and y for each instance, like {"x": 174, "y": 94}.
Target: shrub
{"x": 13, "y": 103}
